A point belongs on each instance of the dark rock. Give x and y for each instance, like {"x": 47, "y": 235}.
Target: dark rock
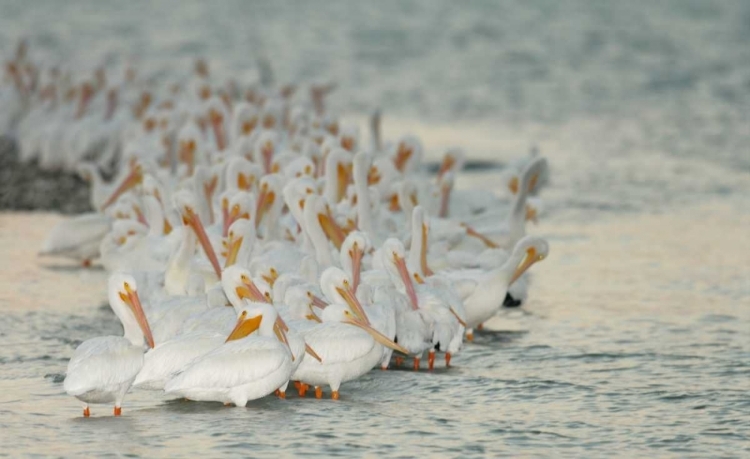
{"x": 24, "y": 186}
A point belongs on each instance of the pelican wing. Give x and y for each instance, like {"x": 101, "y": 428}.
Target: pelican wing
{"x": 337, "y": 342}
{"x": 233, "y": 364}
{"x": 169, "y": 358}
{"x": 464, "y": 281}
{"x": 102, "y": 362}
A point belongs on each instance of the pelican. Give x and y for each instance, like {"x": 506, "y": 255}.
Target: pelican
{"x": 347, "y": 345}
{"x": 102, "y": 369}
{"x": 246, "y": 367}
{"x": 483, "y": 292}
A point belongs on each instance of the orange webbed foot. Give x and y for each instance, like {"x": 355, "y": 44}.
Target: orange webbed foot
{"x": 118, "y": 410}
{"x": 318, "y": 392}
{"x": 86, "y": 412}
{"x": 416, "y": 363}
{"x": 431, "y": 360}
{"x": 335, "y": 395}
{"x": 447, "y": 359}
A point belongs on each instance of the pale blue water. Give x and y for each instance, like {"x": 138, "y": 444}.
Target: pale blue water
{"x": 637, "y": 338}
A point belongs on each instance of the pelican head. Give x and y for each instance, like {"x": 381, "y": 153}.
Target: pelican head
{"x": 189, "y": 144}
{"x": 238, "y": 286}
{"x": 296, "y": 192}
{"x": 269, "y": 198}
{"x": 337, "y": 287}
{"x": 124, "y": 299}
{"x": 530, "y": 250}
{"x": 407, "y": 154}
{"x": 265, "y": 148}
{"x": 131, "y": 180}
{"x": 241, "y": 232}
{"x": 249, "y": 319}
{"x": 394, "y": 259}
{"x": 349, "y": 138}
{"x": 353, "y": 249}
{"x": 186, "y": 205}
{"x": 453, "y": 161}
{"x": 241, "y": 174}
{"x": 244, "y": 119}
{"x": 216, "y": 113}
{"x": 235, "y": 205}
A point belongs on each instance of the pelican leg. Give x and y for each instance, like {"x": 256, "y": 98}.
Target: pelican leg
{"x": 86, "y": 411}
{"x": 318, "y": 392}
{"x": 431, "y": 360}
{"x": 335, "y": 395}
{"x": 470, "y": 334}
{"x": 86, "y": 263}
{"x": 399, "y": 361}
{"x": 480, "y": 326}
{"x": 302, "y": 391}
{"x": 447, "y": 359}
{"x": 118, "y": 410}
{"x": 416, "y": 363}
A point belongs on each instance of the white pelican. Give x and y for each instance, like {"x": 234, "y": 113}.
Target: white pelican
{"x": 242, "y": 369}
{"x": 414, "y": 325}
{"x": 483, "y": 292}
{"x": 102, "y": 369}
{"x": 347, "y": 345}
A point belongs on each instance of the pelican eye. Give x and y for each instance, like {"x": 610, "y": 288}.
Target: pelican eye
{"x": 244, "y": 313}
{"x": 346, "y": 282}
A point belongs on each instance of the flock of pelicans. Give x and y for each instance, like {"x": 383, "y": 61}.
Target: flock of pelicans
{"x": 253, "y": 239}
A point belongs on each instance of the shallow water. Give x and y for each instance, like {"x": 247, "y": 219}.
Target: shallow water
{"x": 635, "y": 340}
{"x": 633, "y": 343}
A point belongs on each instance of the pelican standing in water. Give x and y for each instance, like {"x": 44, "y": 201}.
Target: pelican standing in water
{"x": 242, "y": 369}
{"x": 103, "y": 368}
